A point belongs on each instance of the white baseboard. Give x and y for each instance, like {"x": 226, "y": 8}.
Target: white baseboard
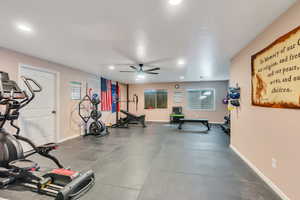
{"x": 68, "y": 138}
{"x": 261, "y": 175}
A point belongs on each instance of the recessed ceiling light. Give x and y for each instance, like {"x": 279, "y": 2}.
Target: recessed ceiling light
{"x": 181, "y": 77}
{"x": 175, "y": 2}
{"x": 24, "y": 28}
{"x": 111, "y": 67}
{"x": 181, "y": 62}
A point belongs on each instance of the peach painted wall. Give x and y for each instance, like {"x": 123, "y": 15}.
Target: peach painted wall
{"x": 163, "y": 114}
{"x": 261, "y": 134}
{"x": 70, "y": 121}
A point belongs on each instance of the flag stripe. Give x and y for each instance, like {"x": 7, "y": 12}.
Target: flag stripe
{"x": 106, "y": 103}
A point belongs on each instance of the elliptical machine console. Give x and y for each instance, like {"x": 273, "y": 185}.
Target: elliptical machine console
{"x": 63, "y": 184}
{"x": 9, "y": 87}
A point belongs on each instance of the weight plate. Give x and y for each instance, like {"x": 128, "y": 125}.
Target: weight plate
{"x": 95, "y": 114}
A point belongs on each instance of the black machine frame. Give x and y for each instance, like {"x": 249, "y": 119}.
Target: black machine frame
{"x": 130, "y": 117}
{"x": 14, "y": 166}
{"x": 205, "y": 122}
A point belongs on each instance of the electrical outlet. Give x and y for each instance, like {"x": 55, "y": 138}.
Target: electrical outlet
{"x": 274, "y": 163}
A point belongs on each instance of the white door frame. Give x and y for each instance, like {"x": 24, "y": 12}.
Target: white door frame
{"x": 57, "y": 100}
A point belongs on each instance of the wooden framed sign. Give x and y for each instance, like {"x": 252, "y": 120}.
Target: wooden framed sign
{"x": 276, "y": 73}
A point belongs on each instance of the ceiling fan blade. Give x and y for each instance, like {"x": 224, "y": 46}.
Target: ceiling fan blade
{"x": 153, "y": 69}
{"x": 128, "y": 71}
{"x": 151, "y": 73}
{"x": 133, "y": 67}
{"x": 158, "y": 61}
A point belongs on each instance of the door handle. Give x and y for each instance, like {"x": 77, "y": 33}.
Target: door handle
{"x": 53, "y": 111}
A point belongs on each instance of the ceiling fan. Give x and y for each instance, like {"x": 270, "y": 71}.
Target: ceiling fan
{"x": 139, "y": 69}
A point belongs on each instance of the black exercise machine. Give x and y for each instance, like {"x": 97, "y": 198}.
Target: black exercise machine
{"x": 129, "y": 119}
{"x": 202, "y": 121}
{"x": 97, "y": 127}
{"x": 62, "y": 183}
{"x": 226, "y": 126}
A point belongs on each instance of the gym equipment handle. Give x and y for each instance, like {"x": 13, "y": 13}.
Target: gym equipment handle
{"x": 31, "y": 90}
{"x": 27, "y": 80}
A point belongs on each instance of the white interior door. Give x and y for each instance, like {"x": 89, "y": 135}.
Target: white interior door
{"x": 38, "y": 119}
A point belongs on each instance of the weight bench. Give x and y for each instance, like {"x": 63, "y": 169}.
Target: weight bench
{"x": 202, "y": 121}
{"x": 130, "y": 119}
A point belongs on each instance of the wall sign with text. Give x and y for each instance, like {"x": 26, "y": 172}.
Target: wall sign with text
{"x": 75, "y": 90}
{"x": 276, "y": 73}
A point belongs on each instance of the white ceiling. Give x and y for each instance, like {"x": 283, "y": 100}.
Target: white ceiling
{"x": 92, "y": 35}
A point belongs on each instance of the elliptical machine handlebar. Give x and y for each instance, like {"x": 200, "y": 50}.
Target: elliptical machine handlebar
{"x": 26, "y": 81}
{"x": 32, "y": 91}
{"x": 14, "y": 98}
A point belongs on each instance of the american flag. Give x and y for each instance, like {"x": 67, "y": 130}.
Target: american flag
{"x": 106, "y": 97}
{"x": 118, "y": 95}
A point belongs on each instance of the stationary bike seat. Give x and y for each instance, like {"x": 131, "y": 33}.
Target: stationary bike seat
{"x": 23, "y": 165}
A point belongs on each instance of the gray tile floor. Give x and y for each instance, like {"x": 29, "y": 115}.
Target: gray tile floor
{"x": 159, "y": 163}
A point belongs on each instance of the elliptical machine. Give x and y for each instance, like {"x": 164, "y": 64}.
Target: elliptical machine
{"x": 62, "y": 183}
{"x": 97, "y": 127}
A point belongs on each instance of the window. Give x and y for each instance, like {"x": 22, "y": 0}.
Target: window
{"x": 201, "y": 99}
{"x": 156, "y": 99}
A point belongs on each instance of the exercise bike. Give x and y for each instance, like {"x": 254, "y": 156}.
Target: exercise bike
{"x": 16, "y": 168}
{"x": 97, "y": 127}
